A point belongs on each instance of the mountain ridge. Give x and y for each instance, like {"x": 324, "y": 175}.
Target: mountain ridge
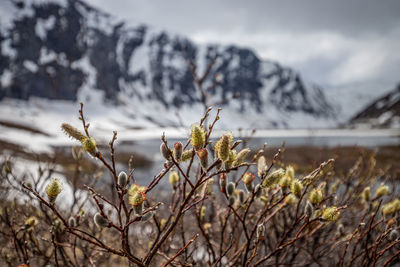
{"x": 62, "y": 50}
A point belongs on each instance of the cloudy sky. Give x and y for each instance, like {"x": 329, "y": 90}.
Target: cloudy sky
{"x": 329, "y": 42}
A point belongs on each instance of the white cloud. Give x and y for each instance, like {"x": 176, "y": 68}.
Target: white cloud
{"x": 329, "y": 42}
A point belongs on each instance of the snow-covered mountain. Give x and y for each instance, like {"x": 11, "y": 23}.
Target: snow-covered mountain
{"x": 382, "y": 112}
{"x": 66, "y": 50}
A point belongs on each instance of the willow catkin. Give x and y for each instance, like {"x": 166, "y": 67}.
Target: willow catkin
{"x": 223, "y": 146}
{"x": 197, "y": 136}
{"x": 72, "y": 132}
{"x": 53, "y": 189}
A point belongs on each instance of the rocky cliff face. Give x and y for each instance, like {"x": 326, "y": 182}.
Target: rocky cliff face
{"x": 62, "y": 50}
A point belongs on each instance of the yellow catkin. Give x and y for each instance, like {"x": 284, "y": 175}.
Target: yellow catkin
{"x": 248, "y": 178}
{"x": 285, "y": 181}
{"x": 290, "y": 199}
{"x": 331, "y": 214}
{"x": 296, "y": 188}
{"x": 187, "y": 155}
{"x": 72, "y": 132}
{"x": 231, "y": 159}
{"x": 223, "y": 146}
{"x": 316, "y": 196}
{"x": 137, "y": 195}
{"x": 388, "y": 209}
{"x": 134, "y": 188}
{"x": 89, "y": 145}
{"x": 173, "y": 178}
{"x": 366, "y": 194}
{"x": 382, "y": 190}
{"x": 53, "y": 189}
{"x": 396, "y": 204}
{"x": 241, "y": 157}
{"x": 273, "y": 178}
{"x": 197, "y": 136}
{"x": 290, "y": 172}
{"x": 137, "y": 198}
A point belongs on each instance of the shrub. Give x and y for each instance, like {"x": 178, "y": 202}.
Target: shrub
{"x": 260, "y": 215}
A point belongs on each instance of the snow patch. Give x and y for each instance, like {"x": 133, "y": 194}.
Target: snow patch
{"x": 30, "y": 65}
{"x": 6, "y": 78}
{"x": 44, "y": 25}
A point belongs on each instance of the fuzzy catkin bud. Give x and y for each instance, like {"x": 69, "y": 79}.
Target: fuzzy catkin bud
{"x": 137, "y": 199}
{"x": 273, "y": 178}
{"x": 223, "y": 146}
{"x": 134, "y": 188}
{"x": 186, "y": 155}
{"x": 241, "y": 157}
{"x": 53, "y": 189}
{"x": 290, "y": 172}
{"x": 396, "y": 204}
{"x": 137, "y": 195}
{"x": 231, "y": 200}
{"x": 366, "y": 194}
{"x": 173, "y": 178}
{"x": 247, "y": 178}
{"x": 261, "y": 166}
{"x": 72, "y": 132}
{"x": 89, "y": 145}
{"x": 168, "y": 163}
{"x": 331, "y": 214}
{"x": 258, "y": 190}
{"x": 230, "y": 188}
{"x": 72, "y": 222}
{"x": 260, "y": 231}
{"x": 100, "y": 220}
{"x": 249, "y": 187}
{"x": 241, "y": 196}
{"x": 388, "y": 209}
{"x": 308, "y": 209}
{"x": 164, "y": 151}
{"x": 316, "y": 196}
{"x": 203, "y": 157}
{"x": 231, "y": 159}
{"x": 222, "y": 182}
{"x": 394, "y": 235}
{"x": 382, "y": 190}
{"x": 178, "y": 150}
{"x": 290, "y": 199}
{"x": 340, "y": 229}
{"x": 284, "y": 181}
{"x": 296, "y": 188}
{"x": 197, "y": 136}
{"x": 122, "y": 179}
{"x": 138, "y": 208}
